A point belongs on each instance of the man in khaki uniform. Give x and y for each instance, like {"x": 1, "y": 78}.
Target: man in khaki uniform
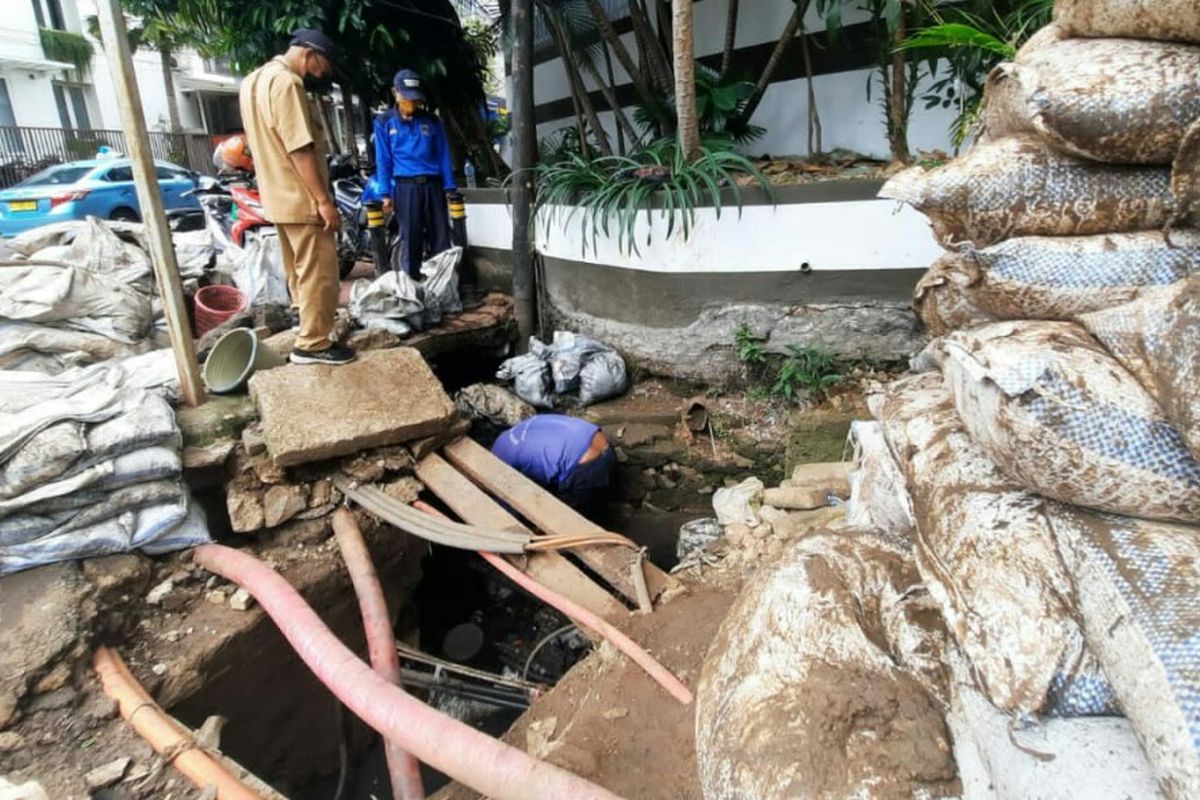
{"x": 288, "y": 147}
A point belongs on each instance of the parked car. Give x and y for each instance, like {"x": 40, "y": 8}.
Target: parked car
{"x": 79, "y": 189}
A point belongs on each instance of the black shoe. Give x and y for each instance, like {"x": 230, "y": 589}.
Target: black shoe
{"x": 333, "y": 355}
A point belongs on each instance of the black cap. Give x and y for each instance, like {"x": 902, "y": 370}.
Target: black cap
{"x": 314, "y": 40}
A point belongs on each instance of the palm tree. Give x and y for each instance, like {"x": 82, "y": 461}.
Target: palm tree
{"x": 683, "y": 37}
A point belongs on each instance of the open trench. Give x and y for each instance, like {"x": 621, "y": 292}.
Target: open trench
{"x": 287, "y": 728}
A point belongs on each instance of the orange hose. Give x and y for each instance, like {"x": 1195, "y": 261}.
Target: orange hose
{"x": 162, "y": 733}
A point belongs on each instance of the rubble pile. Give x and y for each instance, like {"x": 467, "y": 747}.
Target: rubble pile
{"x": 1026, "y": 570}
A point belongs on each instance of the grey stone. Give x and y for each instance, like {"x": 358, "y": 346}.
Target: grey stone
{"x": 241, "y": 600}
{"x": 281, "y": 503}
{"x": 11, "y": 741}
{"x": 214, "y": 454}
{"x": 245, "y": 509}
{"x": 253, "y": 439}
{"x": 108, "y": 774}
{"x": 315, "y": 412}
{"x": 159, "y": 593}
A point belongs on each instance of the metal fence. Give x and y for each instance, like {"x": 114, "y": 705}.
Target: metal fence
{"x": 24, "y": 151}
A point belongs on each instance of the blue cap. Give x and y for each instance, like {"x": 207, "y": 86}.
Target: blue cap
{"x": 407, "y": 84}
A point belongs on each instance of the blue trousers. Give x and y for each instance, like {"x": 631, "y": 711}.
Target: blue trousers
{"x": 424, "y": 222}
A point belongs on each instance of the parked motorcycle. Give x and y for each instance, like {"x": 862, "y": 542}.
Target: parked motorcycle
{"x": 366, "y": 230}
{"x": 231, "y": 206}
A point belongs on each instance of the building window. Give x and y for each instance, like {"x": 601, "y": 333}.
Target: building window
{"x": 72, "y": 107}
{"x": 7, "y": 117}
{"x": 218, "y": 66}
{"x": 49, "y": 14}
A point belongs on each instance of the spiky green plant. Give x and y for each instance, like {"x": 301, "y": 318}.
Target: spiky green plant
{"x": 607, "y": 194}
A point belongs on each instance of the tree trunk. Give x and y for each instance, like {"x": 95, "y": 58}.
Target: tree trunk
{"x": 785, "y": 40}
{"x": 624, "y": 127}
{"x": 897, "y": 99}
{"x": 688, "y": 125}
{"x": 168, "y": 76}
{"x": 524, "y": 165}
{"x": 609, "y": 34}
{"x": 648, "y": 44}
{"x": 578, "y": 88}
{"x": 612, "y": 81}
{"x": 815, "y": 145}
{"x": 731, "y": 23}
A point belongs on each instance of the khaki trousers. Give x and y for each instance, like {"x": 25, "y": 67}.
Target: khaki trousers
{"x": 310, "y": 262}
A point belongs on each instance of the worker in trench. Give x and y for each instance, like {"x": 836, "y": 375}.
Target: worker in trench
{"x": 289, "y": 146}
{"x": 568, "y": 456}
{"x": 412, "y": 157}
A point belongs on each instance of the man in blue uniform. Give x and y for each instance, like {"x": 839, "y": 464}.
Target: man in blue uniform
{"x": 566, "y": 455}
{"x": 412, "y": 156}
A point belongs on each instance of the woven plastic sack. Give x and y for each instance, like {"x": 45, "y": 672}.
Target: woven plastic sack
{"x": 942, "y": 300}
{"x": 879, "y": 497}
{"x": 440, "y": 274}
{"x": 1157, "y": 338}
{"x": 987, "y": 555}
{"x": 1060, "y": 277}
{"x": 822, "y": 681}
{"x": 74, "y": 297}
{"x": 602, "y": 377}
{"x": 1165, "y": 20}
{"x": 738, "y": 504}
{"x": 493, "y": 403}
{"x": 568, "y": 353}
{"x": 1020, "y": 186}
{"x": 1097, "y": 758}
{"x": 1062, "y": 418}
{"x": 1119, "y": 101}
{"x": 1136, "y": 590}
{"x": 391, "y": 302}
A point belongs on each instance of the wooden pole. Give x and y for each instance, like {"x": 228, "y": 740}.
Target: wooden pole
{"x": 524, "y": 129}
{"x": 162, "y": 252}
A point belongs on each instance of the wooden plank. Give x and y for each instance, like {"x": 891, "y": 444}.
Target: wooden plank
{"x": 158, "y": 234}
{"x": 552, "y": 570}
{"x": 553, "y": 516}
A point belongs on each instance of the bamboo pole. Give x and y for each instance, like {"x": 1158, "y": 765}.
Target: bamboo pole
{"x": 158, "y": 234}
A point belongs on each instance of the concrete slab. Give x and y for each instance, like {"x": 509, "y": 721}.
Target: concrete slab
{"x": 315, "y": 412}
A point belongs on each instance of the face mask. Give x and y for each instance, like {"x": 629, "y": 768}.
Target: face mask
{"x": 320, "y": 84}
{"x": 407, "y": 107}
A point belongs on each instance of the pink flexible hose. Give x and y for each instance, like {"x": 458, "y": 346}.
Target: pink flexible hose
{"x": 636, "y": 653}
{"x": 472, "y": 758}
{"x": 403, "y": 769}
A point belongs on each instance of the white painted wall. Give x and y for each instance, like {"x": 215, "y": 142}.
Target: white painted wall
{"x": 857, "y": 235}
{"x": 850, "y": 120}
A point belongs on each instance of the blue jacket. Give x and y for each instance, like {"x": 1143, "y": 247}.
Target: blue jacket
{"x": 546, "y": 448}
{"x": 408, "y": 148}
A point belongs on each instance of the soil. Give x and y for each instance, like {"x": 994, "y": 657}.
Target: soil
{"x": 609, "y": 722}
{"x": 838, "y": 165}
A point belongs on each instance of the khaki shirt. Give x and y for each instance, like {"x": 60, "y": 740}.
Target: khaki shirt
{"x": 279, "y": 120}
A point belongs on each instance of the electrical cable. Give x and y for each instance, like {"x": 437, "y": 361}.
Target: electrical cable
{"x": 537, "y": 647}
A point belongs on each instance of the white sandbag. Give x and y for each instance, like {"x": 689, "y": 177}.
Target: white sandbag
{"x": 44, "y": 457}
{"x": 440, "y": 281}
{"x": 1136, "y": 590}
{"x": 942, "y": 301}
{"x": 195, "y": 252}
{"x": 43, "y": 348}
{"x": 602, "y": 377}
{"x": 568, "y": 352}
{"x": 1119, "y": 101}
{"x": 390, "y": 301}
{"x": 1019, "y": 186}
{"x": 1064, "y": 419}
{"x": 530, "y": 376}
{"x": 808, "y": 691}
{"x": 879, "y": 498}
{"x": 257, "y": 268}
{"x": 1165, "y": 20}
{"x": 739, "y": 504}
{"x": 987, "y": 555}
{"x": 28, "y": 526}
{"x": 75, "y": 297}
{"x": 115, "y": 249}
{"x": 1157, "y": 338}
{"x": 1097, "y": 758}
{"x": 1060, "y": 277}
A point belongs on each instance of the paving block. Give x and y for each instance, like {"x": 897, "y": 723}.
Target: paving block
{"x": 312, "y": 412}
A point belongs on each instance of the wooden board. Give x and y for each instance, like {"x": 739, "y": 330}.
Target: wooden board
{"x": 549, "y": 514}
{"x": 552, "y": 570}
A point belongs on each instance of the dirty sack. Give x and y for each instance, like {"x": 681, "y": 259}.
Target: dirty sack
{"x": 492, "y": 403}
{"x": 823, "y": 681}
{"x": 1020, "y": 186}
{"x": 440, "y": 285}
{"x": 74, "y": 450}
{"x": 1097, "y": 758}
{"x": 1119, "y": 101}
{"x": 65, "y": 295}
{"x": 115, "y": 250}
{"x": 739, "y": 504}
{"x": 571, "y": 370}
{"x": 1064, "y": 419}
{"x": 942, "y": 300}
{"x": 1135, "y": 584}
{"x": 1157, "y": 338}
{"x": 43, "y": 348}
{"x": 696, "y": 535}
{"x": 986, "y": 553}
{"x": 257, "y": 268}
{"x": 1163, "y": 20}
{"x": 391, "y": 302}
{"x": 1059, "y": 277}
{"x": 879, "y": 497}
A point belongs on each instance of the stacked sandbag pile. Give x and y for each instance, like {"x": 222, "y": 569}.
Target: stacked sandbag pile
{"x": 1050, "y": 453}
{"x": 76, "y": 294}
{"x": 90, "y": 464}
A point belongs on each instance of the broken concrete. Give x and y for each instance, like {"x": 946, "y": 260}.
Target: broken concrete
{"x": 281, "y": 503}
{"x": 316, "y": 412}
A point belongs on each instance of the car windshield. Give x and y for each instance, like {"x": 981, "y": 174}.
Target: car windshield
{"x": 56, "y": 176}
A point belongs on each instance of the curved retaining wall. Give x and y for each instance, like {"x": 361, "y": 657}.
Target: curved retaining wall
{"x": 825, "y": 265}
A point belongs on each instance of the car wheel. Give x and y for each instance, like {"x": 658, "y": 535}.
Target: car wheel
{"x": 124, "y": 215}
